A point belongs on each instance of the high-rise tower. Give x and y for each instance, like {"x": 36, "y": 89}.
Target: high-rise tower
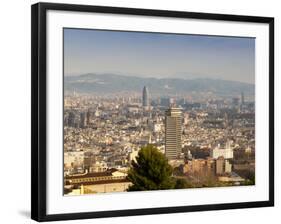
{"x": 71, "y": 119}
{"x": 83, "y": 120}
{"x": 145, "y": 98}
{"x": 173, "y": 131}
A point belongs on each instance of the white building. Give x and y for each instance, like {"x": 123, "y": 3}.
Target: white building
{"x": 226, "y": 152}
{"x": 227, "y": 167}
{"x": 133, "y": 155}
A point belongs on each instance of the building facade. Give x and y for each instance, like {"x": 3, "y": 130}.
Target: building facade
{"x": 173, "y": 131}
{"x": 226, "y": 152}
{"x": 145, "y": 98}
{"x": 99, "y": 182}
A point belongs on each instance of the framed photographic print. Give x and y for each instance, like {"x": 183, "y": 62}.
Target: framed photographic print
{"x": 139, "y": 111}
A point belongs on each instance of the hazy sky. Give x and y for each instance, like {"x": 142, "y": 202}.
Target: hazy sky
{"x": 159, "y": 55}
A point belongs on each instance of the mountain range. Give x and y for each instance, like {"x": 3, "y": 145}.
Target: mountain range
{"x": 112, "y": 83}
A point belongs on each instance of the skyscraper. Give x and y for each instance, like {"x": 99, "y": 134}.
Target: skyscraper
{"x": 89, "y": 116}
{"x": 83, "y": 121}
{"x": 71, "y": 119}
{"x": 145, "y": 98}
{"x": 173, "y": 120}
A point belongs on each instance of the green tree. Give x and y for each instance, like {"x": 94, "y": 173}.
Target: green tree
{"x": 151, "y": 171}
{"x": 181, "y": 183}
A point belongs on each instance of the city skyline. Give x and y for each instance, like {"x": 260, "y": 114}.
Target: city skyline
{"x": 159, "y": 55}
{"x": 138, "y": 143}
{"x": 154, "y": 111}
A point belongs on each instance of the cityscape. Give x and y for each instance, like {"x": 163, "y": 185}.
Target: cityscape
{"x": 189, "y": 138}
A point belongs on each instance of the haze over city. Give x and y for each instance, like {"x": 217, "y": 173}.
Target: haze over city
{"x": 159, "y": 55}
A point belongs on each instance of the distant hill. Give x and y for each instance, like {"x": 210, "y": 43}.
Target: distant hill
{"x": 111, "y": 83}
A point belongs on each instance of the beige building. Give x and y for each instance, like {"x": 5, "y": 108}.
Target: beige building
{"x": 206, "y": 166}
{"x": 107, "y": 187}
{"x": 173, "y": 132}
{"x": 223, "y": 166}
{"x": 99, "y": 182}
{"x": 73, "y": 159}
{"x": 220, "y": 165}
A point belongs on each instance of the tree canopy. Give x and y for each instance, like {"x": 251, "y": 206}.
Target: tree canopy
{"x": 151, "y": 171}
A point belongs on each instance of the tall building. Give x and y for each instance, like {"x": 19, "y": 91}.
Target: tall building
{"x": 71, "y": 119}
{"x": 173, "y": 129}
{"x": 89, "y": 116}
{"x": 83, "y": 120}
{"x": 145, "y": 98}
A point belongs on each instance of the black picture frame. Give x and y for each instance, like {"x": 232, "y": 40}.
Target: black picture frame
{"x": 38, "y": 108}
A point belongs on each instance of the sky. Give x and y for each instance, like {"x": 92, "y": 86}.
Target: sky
{"x": 158, "y": 55}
